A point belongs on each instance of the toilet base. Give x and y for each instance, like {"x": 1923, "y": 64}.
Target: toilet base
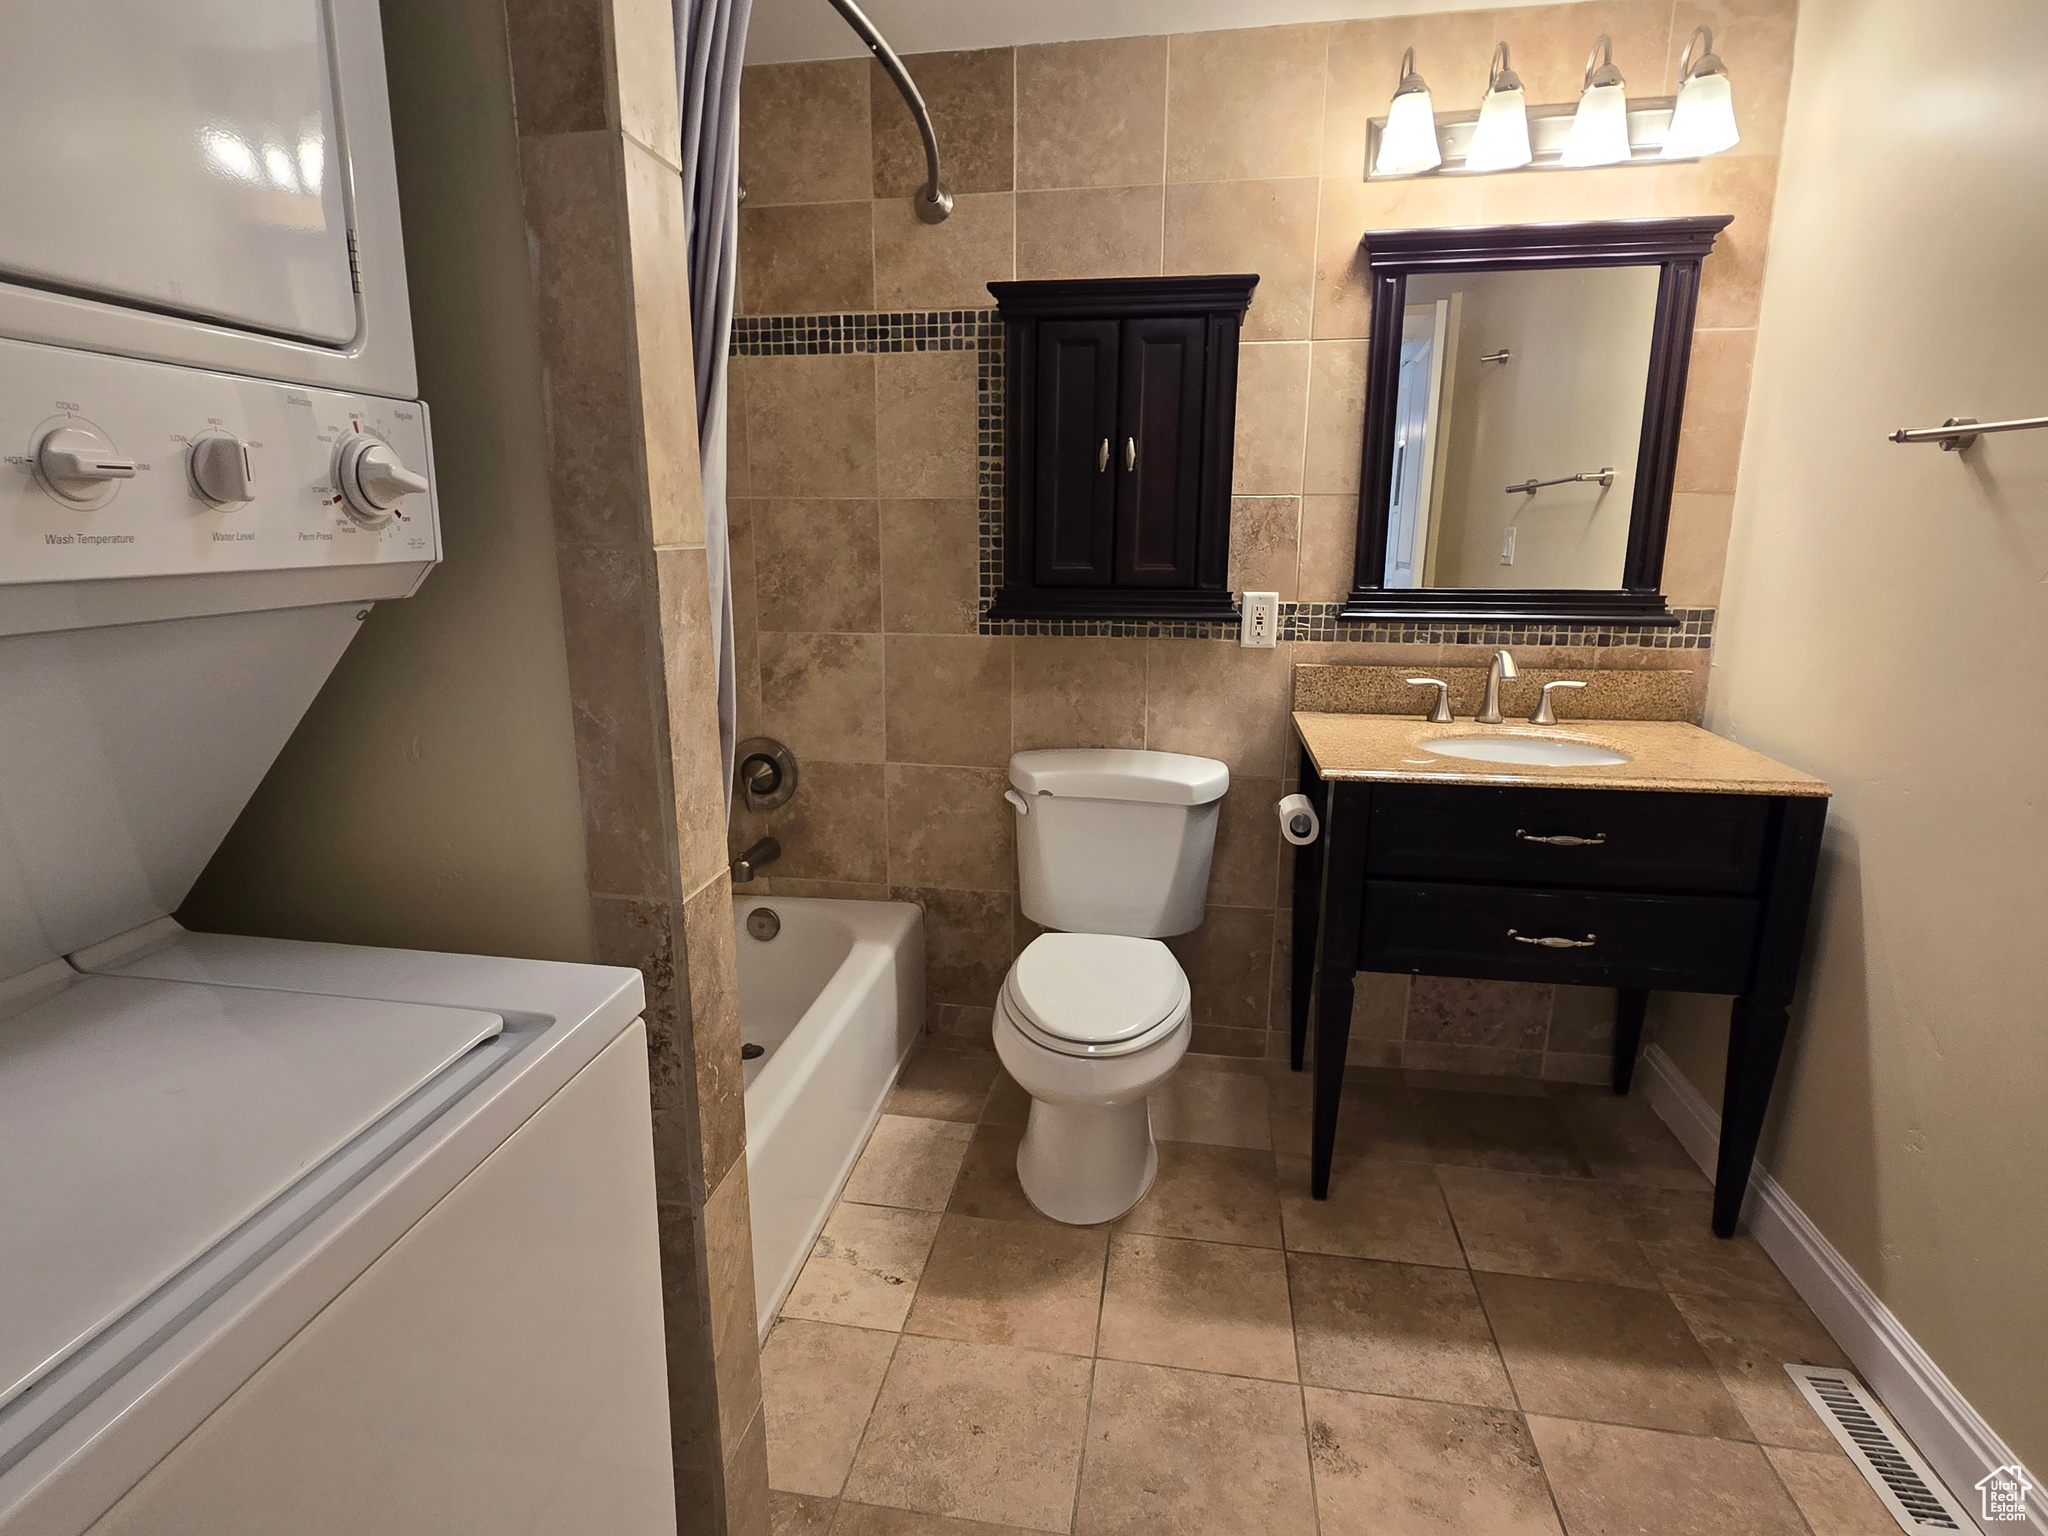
{"x": 1087, "y": 1163}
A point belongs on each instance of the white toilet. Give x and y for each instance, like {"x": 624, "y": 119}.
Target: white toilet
{"x": 1113, "y": 854}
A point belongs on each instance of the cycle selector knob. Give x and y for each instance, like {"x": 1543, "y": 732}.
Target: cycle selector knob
{"x": 223, "y": 471}
{"x": 81, "y": 466}
{"x": 372, "y": 479}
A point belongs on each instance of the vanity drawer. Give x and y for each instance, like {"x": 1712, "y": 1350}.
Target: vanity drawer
{"x": 1678, "y": 943}
{"x": 1634, "y": 839}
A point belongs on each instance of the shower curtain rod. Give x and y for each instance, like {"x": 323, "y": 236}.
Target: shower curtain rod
{"x": 933, "y": 202}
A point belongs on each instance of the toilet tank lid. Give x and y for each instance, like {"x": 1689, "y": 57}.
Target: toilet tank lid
{"x": 1116, "y": 773}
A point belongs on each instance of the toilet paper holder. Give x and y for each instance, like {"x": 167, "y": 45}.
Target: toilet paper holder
{"x": 1299, "y": 823}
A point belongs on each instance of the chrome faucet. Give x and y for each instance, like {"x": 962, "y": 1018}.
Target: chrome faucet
{"x": 755, "y": 859}
{"x": 1502, "y": 670}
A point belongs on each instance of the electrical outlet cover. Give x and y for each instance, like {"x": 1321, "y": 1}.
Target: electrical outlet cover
{"x": 1259, "y": 620}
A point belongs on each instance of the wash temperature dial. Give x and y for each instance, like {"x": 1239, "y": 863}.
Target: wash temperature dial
{"x": 372, "y": 479}
{"x": 223, "y": 471}
{"x": 81, "y": 466}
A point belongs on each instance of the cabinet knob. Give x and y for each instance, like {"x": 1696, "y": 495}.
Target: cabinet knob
{"x": 1130, "y": 454}
{"x": 1102, "y": 457}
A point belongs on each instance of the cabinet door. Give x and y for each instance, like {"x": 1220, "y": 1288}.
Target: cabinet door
{"x": 1158, "y": 451}
{"x": 1073, "y": 487}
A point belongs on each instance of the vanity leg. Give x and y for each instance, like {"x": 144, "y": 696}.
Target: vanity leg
{"x": 1756, "y": 1038}
{"x": 1333, "y": 1036}
{"x": 1630, "y": 1004}
{"x": 1342, "y": 916}
{"x": 1308, "y": 902}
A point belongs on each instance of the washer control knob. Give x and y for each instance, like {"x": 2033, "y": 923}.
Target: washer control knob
{"x": 79, "y": 465}
{"x": 372, "y": 479}
{"x": 222, "y": 470}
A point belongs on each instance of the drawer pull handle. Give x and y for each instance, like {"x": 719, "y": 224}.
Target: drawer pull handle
{"x": 1554, "y": 943}
{"x": 1561, "y": 839}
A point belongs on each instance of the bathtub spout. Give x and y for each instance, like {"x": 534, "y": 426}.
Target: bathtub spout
{"x": 756, "y": 858}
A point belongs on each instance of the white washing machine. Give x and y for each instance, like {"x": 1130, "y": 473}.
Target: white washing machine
{"x": 293, "y": 1237}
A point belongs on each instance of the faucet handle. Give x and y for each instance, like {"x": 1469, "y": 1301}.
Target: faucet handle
{"x": 1545, "y": 715}
{"x": 1440, "y": 711}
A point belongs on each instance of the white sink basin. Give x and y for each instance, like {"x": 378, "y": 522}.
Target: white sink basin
{"x": 1541, "y": 751}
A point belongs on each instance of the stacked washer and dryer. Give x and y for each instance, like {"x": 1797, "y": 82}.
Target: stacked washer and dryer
{"x": 293, "y": 1237}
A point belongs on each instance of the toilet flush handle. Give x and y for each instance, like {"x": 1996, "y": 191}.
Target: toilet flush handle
{"x": 1023, "y": 805}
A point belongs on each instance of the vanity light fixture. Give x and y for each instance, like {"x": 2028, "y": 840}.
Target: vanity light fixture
{"x": 1501, "y": 140}
{"x": 1599, "y": 132}
{"x": 1408, "y": 144}
{"x": 1703, "y": 120}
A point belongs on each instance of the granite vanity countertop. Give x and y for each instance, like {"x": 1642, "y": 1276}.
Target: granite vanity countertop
{"x": 1663, "y": 755}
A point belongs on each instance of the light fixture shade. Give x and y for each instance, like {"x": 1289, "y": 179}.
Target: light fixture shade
{"x": 1599, "y": 131}
{"x": 1703, "y": 120}
{"x": 1500, "y": 141}
{"x": 1408, "y": 143}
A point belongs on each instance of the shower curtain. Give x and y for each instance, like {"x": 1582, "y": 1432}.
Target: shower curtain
{"x": 711, "y": 37}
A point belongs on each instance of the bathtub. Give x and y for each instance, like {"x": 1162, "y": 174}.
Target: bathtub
{"x": 836, "y": 999}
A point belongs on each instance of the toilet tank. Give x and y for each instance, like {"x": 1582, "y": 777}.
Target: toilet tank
{"x": 1115, "y": 841}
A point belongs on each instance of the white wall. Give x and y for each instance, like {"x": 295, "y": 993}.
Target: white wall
{"x": 1886, "y": 626}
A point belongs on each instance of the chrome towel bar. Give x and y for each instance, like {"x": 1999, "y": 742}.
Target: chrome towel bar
{"x": 1953, "y": 437}
{"x": 1531, "y": 487}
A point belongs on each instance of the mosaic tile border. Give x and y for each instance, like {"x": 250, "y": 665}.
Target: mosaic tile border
{"x": 978, "y": 331}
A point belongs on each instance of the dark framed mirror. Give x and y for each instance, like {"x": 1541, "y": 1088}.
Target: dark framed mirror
{"x": 1524, "y": 389}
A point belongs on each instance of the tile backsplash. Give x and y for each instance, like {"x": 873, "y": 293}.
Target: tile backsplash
{"x": 865, "y": 448}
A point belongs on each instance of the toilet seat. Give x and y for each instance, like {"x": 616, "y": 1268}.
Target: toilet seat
{"x": 1095, "y": 994}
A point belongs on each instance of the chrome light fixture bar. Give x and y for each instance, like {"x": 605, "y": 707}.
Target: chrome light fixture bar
{"x": 1649, "y": 126}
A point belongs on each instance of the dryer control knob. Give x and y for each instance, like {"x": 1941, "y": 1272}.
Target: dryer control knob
{"x": 80, "y": 466}
{"x": 372, "y": 479}
{"x": 223, "y": 471}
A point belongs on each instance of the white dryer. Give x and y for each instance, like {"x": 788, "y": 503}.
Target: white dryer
{"x": 293, "y": 1237}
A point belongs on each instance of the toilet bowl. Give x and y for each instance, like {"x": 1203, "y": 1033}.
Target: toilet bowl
{"x": 1089, "y": 1024}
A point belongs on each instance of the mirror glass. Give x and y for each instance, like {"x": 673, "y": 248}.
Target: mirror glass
{"x": 1517, "y": 427}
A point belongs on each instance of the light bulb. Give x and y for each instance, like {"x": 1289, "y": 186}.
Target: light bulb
{"x": 1500, "y": 142}
{"x": 1408, "y": 143}
{"x": 1599, "y": 131}
{"x": 1703, "y": 120}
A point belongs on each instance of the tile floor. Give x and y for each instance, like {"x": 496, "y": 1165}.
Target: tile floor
{"x": 1509, "y": 1319}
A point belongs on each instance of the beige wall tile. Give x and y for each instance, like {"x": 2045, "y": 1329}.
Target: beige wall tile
{"x": 1244, "y": 869}
{"x": 1350, "y": 209}
{"x": 748, "y": 1498}
{"x": 939, "y": 266}
{"x": 583, "y": 295}
{"x": 822, "y": 695}
{"x": 1267, "y": 227}
{"x": 949, "y": 700}
{"x": 1090, "y": 232}
{"x": 737, "y": 480}
{"x": 643, "y": 54}
{"x": 925, "y": 409}
{"x": 949, "y": 828}
{"x": 971, "y": 98}
{"x": 1092, "y": 114}
{"x": 1263, "y": 537}
{"x": 1329, "y": 543}
{"x": 967, "y": 947}
{"x": 1218, "y": 700}
{"x": 806, "y": 259}
{"x": 1602, "y": 192}
{"x": 1272, "y": 418}
{"x": 1336, "y": 418}
{"x": 804, "y": 133}
{"x": 729, "y": 1277}
{"x": 1716, "y": 400}
{"x": 1551, "y": 58}
{"x": 1696, "y": 549}
{"x": 1245, "y": 104}
{"x": 1754, "y": 39}
{"x": 831, "y": 829}
{"x": 695, "y": 765}
{"x": 818, "y": 565}
{"x": 559, "y": 65}
{"x": 1077, "y": 693}
{"x": 1732, "y": 278}
{"x": 610, "y": 623}
{"x": 811, "y": 423}
{"x": 1228, "y": 961}
{"x": 930, "y": 567}
{"x": 666, "y": 363}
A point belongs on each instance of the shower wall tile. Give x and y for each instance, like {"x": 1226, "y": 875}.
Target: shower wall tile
{"x": 805, "y": 259}
{"x": 643, "y": 39}
{"x": 1246, "y": 104}
{"x": 1092, "y": 114}
{"x": 943, "y": 266}
{"x": 561, "y": 65}
{"x": 695, "y": 760}
{"x": 925, "y": 405}
{"x": 949, "y": 700}
{"x": 818, "y": 565}
{"x": 804, "y": 133}
{"x": 1090, "y": 232}
{"x": 1267, "y": 227}
{"x": 966, "y": 944}
{"x": 972, "y": 100}
{"x": 657, "y": 241}
{"x": 832, "y": 829}
{"x": 1077, "y": 693}
{"x": 811, "y": 425}
{"x": 821, "y": 695}
{"x": 949, "y": 828}
{"x": 713, "y": 988}
{"x": 929, "y": 584}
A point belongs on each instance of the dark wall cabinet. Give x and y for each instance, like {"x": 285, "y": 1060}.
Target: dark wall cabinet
{"x": 1120, "y": 409}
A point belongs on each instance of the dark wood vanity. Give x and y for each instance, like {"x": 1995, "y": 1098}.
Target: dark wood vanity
{"x": 1676, "y": 874}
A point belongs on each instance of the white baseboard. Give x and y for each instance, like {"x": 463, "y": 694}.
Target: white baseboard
{"x": 1951, "y": 1434}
